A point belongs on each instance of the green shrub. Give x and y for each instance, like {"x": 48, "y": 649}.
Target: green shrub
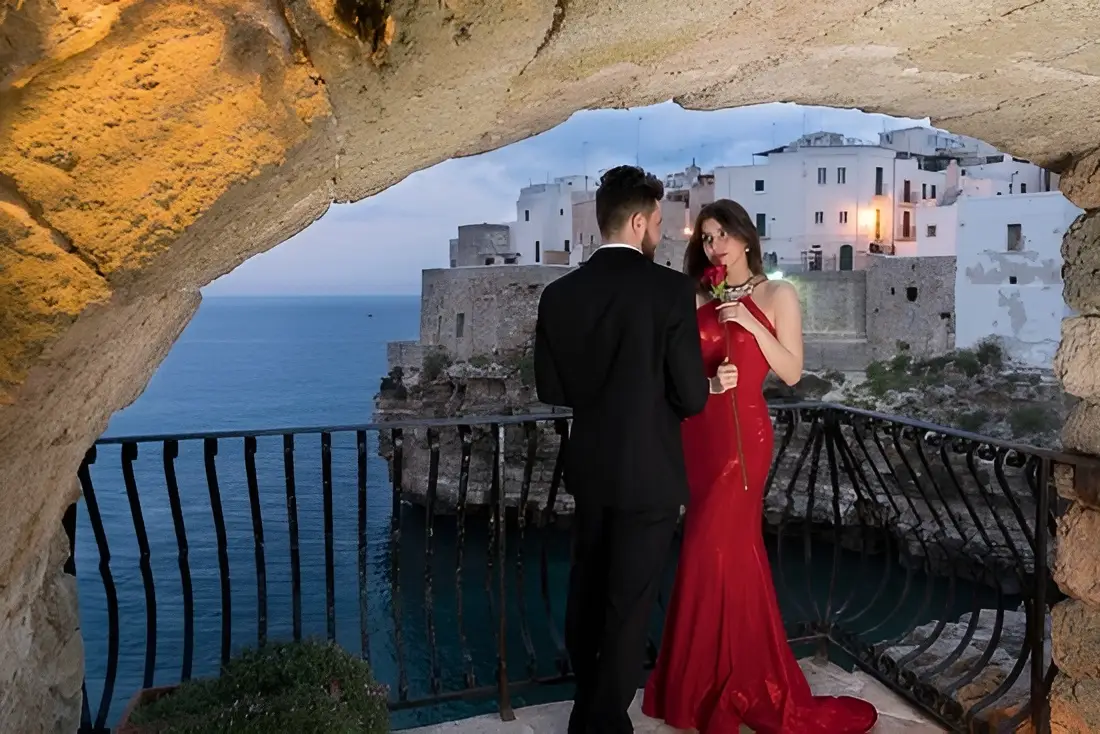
{"x": 967, "y": 362}
{"x": 1029, "y": 419}
{"x": 990, "y": 353}
{"x": 931, "y": 367}
{"x": 435, "y": 362}
{"x": 884, "y": 377}
{"x": 836, "y": 377}
{"x": 303, "y": 687}
{"x": 479, "y": 360}
{"x": 901, "y": 362}
{"x": 973, "y": 421}
{"x": 525, "y": 367}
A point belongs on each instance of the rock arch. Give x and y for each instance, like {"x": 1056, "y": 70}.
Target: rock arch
{"x": 149, "y": 146}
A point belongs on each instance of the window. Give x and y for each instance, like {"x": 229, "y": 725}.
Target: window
{"x": 762, "y": 224}
{"x": 907, "y": 191}
{"x": 1023, "y": 188}
{"x": 460, "y": 325}
{"x": 567, "y": 245}
{"x": 905, "y": 230}
{"x": 454, "y": 263}
{"x": 842, "y": 175}
{"x": 822, "y": 176}
{"x": 591, "y": 239}
{"x": 924, "y": 191}
{"x": 1012, "y": 280}
{"x": 1015, "y": 238}
{"x": 758, "y": 187}
{"x": 819, "y": 217}
{"x": 509, "y": 261}
{"x": 538, "y": 252}
{"x": 933, "y": 189}
{"x": 878, "y": 181}
{"x": 930, "y": 230}
{"x": 489, "y": 261}
{"x": 878, "y": 223}
{"x": 911, "y": 293}
{"x": 561, "y": 212}
{"x": 844, "y": 217}
{"x": 527, "y": 215}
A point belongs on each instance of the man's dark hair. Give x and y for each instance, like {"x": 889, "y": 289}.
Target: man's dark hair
{"x": 625, "y": 191}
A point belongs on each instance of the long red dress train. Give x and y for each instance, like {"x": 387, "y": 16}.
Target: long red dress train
{"x": 724, "y": 658}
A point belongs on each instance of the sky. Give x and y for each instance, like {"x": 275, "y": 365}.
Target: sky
{"x": 378, "y": 246}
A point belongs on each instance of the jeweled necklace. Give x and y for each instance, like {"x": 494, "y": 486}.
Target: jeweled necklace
{"x": 737, "y": 292}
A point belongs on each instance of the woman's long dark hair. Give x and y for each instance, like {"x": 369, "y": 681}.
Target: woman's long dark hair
{"x": 734, "y": 221}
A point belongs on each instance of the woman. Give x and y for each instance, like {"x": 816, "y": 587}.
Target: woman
{"x": 724, "y": 660}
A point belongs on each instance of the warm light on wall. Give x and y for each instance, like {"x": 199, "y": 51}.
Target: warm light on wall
{"x": 866, "y": 218}
{"x": 687, "y": 231}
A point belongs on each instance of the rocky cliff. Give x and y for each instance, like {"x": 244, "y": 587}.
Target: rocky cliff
{"x": 956, "y": 505}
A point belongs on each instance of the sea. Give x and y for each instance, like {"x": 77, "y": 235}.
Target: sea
{"x": 247, "y": 364}
{"x": 429, "y": 623}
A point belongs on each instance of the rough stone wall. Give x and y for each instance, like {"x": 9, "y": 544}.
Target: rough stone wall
{"x": 148, "y": 147}
{"x": 834, "y": 303}
{"x": 910, "y": 300}
{"x": 496, "y": 306}
{"x": 1075, "y": 699}
{"x": 39, "y": 623}
{"x": 476, "y": 242}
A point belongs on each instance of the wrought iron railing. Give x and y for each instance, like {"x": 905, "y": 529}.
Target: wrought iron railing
{"x": 917, "y": 553}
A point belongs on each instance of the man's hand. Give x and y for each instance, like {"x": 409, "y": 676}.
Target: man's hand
{"x": 726, "y": 379}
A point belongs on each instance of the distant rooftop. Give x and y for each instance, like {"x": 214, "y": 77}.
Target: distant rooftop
{"x": 821, "y": 139}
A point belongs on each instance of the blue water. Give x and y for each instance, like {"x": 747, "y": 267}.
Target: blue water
{"x": 270, "y": 363}
{"x": 246, "y": 364}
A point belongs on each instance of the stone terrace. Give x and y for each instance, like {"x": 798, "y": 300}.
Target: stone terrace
{"x": 895, "y": 715}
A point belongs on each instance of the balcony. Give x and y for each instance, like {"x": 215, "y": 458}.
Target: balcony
{"x": 437, "y": 549}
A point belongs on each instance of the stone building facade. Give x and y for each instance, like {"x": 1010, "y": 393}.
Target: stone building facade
{"x": 482, "y": 311}
{"x": 482, "y": 244}
{"x": 911, "y": 301}
{"x": 849, "y": 318}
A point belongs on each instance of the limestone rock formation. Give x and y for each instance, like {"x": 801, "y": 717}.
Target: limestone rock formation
{"x": 149, "y": 146}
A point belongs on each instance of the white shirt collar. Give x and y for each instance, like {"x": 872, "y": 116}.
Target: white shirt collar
{"x": 618, "y": 245}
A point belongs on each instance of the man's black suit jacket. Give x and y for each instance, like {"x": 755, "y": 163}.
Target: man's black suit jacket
{"x": 617, "y": 342}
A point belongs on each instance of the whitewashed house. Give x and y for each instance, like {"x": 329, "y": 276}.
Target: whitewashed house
{"x": 543, "y": 230}
{"x": 824, "y": 201}
{"x": 1008, "y": 249}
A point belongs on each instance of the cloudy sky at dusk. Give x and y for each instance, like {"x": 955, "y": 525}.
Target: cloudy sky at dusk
{"x": 380, "y": 245}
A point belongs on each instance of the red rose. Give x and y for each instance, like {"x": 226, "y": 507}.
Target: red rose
{"x": 714, "y": 276}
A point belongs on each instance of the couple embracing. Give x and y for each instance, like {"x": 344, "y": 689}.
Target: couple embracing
{"x": 664, "y": 373}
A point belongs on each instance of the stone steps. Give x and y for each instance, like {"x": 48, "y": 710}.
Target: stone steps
{"x": 895, "y": 715}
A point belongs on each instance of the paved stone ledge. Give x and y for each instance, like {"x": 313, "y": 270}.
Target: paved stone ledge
{"x": 895, "y": 715}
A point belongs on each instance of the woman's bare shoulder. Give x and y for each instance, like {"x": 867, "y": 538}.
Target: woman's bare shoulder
{"x": 776, "y": 291}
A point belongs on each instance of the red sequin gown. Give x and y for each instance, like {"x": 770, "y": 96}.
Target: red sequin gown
{"x": 724, "y": 657}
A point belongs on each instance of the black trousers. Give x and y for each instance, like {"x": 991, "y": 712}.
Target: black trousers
{"x": 619, "y": 557}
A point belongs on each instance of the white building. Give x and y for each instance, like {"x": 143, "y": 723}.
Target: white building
{"x": 1008, "y": 277}
{"x": 825, "y": 201}
{"x": 543, "y": 230}
{"x": 927, "y": 142}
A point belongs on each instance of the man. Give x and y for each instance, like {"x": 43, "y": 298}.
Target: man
{"x": 617, "y": 341}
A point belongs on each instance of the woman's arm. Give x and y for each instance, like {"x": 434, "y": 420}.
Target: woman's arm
{"x": 783, "y": 350}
